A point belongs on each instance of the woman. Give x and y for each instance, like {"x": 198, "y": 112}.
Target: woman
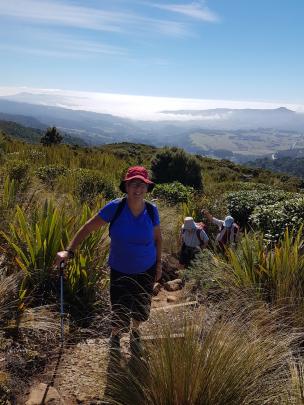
{"x": 228, "y": 230}
{"x": 135, "y": 254}
{"x": 193, "y": 239}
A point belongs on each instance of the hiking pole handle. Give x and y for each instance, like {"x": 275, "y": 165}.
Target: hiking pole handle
{"x": 61, "y": 267}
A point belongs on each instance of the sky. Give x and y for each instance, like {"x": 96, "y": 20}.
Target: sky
{"x": 248, "y": 50}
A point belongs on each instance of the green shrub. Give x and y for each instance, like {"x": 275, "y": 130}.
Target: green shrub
{"x": 273, "y": 219}
{"x": 48, "y": 174}
{"x": 51, "y": 137}
{"x": 252, "y": 186}
{"x": 241, "y": 204}
{"x": 90, "y": 183}
{"x": 173, "y": 193}
{"x": 17, "y": 170}
{"x": 174, "y": 164}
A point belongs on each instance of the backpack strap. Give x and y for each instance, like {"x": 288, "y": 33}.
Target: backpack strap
{"x": 198, "y": 234}
{"x": 119, "y": 208}
{"x": 150, "y": 211}
{"x": 121, "y": 205}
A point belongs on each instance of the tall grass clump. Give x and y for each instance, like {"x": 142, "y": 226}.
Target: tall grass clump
{"x": 273, "y": 274}
{"x": 86, "y": 272}
{"x": 35, "y": 244}
{"x": 277, "y": 274}
{"x": 8, "y": 297}
{"x": 230, "y": 362}
{"x": 8, "y": 198}
{"x": 35, "y": 240}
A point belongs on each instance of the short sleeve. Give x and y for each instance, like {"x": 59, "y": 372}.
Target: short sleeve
{"x": 218, "y": 222}
{"x": 204, "y": 236}
{"x": 108, "y": 211}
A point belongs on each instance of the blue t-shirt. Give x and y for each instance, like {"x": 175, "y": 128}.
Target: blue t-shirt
{"x": 133, "y": 248}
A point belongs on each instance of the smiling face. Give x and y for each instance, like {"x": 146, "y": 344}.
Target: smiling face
{"x": 136, "y": 189}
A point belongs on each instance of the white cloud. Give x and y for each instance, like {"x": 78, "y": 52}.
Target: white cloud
{"x": 44, "y": 42}
{"x": 61, "y": 13}
{"x": 137, "y": 107}
{"x": 194, "y": 10}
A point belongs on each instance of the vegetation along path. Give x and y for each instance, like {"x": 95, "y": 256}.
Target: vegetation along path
{"x": 81, "y": 376}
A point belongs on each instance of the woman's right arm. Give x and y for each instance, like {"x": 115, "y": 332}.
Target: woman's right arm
{"x": 91, "y": 225}
{"x": 207, "y": 214}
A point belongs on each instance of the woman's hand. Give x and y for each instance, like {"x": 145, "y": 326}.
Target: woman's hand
{"x": 207, "y": 214}
{"x": 62, "y": 257}
{"x": 158, "y": 272}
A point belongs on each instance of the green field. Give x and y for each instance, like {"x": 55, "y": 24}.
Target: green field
{"x": 258, "y": 143}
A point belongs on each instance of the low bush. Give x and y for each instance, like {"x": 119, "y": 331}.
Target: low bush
{"x": 173, "y": 193}
{"x": 48, "y": 174}
{"x": 273, "y": 219}
{"x": 241, "y": 204}
{"x": 17, "y": 170}
{"x": 174, "y": 164}
{"x": 90, "y": 183}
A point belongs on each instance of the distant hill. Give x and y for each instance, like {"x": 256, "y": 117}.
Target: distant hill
{"x": 92, "y": 127}
{"x": 287, "y": 165}
{"x": 240, "y": 135}
{"x": 22, "y": 120}
{"x": 247, "y": 118}
{"x": 33, "y": 135}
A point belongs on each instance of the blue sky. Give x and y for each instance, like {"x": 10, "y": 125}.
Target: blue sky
{"x": 213, "y": 49}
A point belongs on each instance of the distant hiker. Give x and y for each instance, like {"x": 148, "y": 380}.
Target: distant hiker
{"x": 228, "y": 230}
{"x": 135, "y": 254}
{"x": 193, "y": 239}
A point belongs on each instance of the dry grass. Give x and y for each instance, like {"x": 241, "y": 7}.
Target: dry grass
{"x": 233, "y": 361}
{"x": 170, "y": 225}
{"x": 8, "y": 296}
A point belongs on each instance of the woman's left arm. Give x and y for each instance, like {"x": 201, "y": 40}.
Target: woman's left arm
{"x": 158, "y": 243}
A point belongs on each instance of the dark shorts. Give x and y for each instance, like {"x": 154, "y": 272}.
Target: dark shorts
{"x": 187, "y": 254}
{"x": 131, "y": 296}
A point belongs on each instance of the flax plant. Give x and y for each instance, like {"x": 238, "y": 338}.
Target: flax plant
{"x": 36, "y": 243}
{"x": 248, "y": 262}
{"x": 278, "y": 272}
{"x": 9, "y": 194}
{"x": 86, "y": 271}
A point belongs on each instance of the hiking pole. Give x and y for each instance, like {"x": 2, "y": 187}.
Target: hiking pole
{"x": 61, "y": 266}
{"x": 51, "y": 383}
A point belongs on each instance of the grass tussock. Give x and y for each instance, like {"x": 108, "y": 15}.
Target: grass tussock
{"x": 276, "y": 275}
{"x": 230, "y": 362}
{"x": 8, "y": 296}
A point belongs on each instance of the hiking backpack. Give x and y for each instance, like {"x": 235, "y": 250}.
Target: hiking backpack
{"x": 121, "y": 205}
{"x": 201, "y": 226}
{"x": 226, "y": 236}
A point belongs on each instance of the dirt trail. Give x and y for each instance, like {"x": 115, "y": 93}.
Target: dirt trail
{"x": 81, "y": 375}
